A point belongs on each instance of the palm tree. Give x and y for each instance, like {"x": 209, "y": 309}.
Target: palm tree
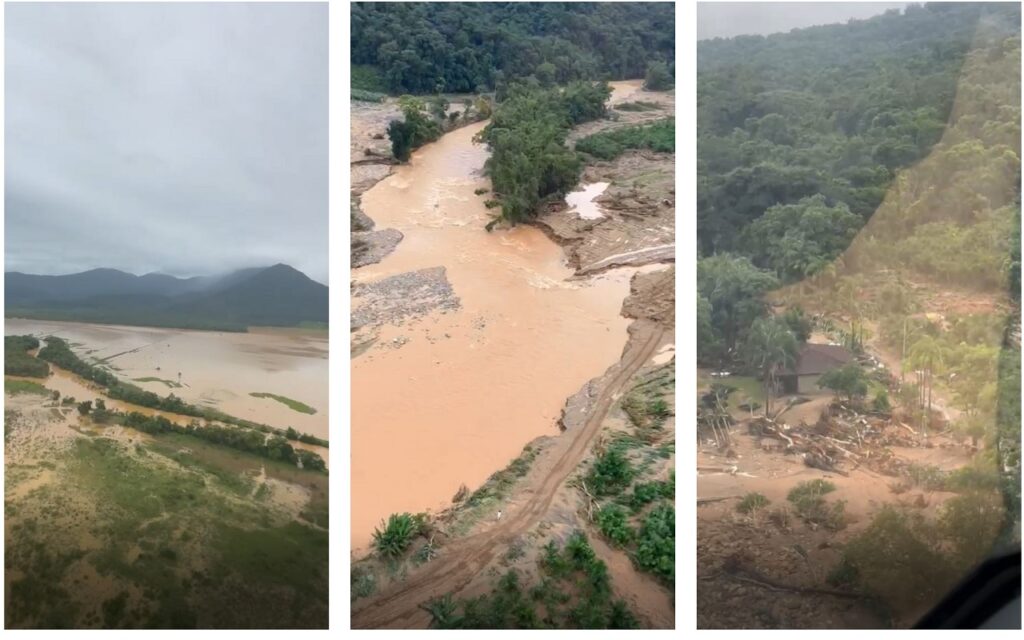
{"x": 926, "y": 354}
{"x": 770, "y": 346}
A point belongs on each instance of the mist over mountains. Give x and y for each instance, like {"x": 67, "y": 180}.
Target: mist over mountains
{"x": 278, "y": 295}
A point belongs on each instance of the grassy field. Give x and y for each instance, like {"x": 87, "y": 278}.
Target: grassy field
{"x": 292, "y": 404}
{"x": 162, "y": 532}
{"x": 24, "y": 386}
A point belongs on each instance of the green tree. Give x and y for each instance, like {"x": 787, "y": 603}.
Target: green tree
{"x": 769, "y": 348}
{"x": 658, "y": 77}
{"x": 734, "y": 288}
{"x": 849, "y": 380}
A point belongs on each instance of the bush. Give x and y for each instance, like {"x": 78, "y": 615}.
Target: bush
{"x": 656, "y": 544}
{"x": 612, "y": 472}
{"x": 397, "y": 534}
{"x": 614, "y": 524}
{"x": 881, "y": 402}
{"x": 752, "y": 502}
{"x": 808, "y": 499}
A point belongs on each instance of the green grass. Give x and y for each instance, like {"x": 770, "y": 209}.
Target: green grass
{"x": 15, "y": 387}
{"x": 149, "y": 517}
{"x": 608, "y": 145}
{"x": 292, "y": 404}
{"x": 170, "y": 383}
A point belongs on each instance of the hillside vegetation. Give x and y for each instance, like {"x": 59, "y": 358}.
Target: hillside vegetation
{"x": 465, "y": 47}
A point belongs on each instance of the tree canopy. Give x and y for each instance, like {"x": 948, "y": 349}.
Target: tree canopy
{"x": 462, "y": 47}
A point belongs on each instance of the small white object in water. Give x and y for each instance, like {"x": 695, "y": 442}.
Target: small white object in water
{"x": 583, "y": 201}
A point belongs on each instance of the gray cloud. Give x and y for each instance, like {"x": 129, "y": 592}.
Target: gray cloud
{"x": 183, "y": 138}
{"x": 728, "y": 19}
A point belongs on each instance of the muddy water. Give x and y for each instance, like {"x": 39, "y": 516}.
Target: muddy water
{"x": 217, "y": 369}
{"x": 472, "y": 387}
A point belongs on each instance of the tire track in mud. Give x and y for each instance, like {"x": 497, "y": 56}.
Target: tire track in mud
{"x": 399, "y": 605}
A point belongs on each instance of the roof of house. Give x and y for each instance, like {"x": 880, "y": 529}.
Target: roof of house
{"x": 815, "y": 359}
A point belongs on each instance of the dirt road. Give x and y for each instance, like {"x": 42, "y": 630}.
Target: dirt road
{"x": 399, "y": 605}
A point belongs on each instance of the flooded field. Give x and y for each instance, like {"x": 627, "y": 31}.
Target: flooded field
{"x": 212, "y": 369}
{"x": 453, "y": 396}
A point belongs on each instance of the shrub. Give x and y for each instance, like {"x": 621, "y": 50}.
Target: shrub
{"x": 752, "y": 502}
{"x": 396, "y": 536}
{"x": 656, "y": 544}
{"x": 811, "y": 506}
{"x": 881, "y": 402}
{"x": 612, "y": 472}
{"x": 614, "y": 524}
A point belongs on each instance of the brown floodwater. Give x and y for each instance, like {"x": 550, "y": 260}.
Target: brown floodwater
{"x": 218, "y": 369}
{"x": 470, "y": 388}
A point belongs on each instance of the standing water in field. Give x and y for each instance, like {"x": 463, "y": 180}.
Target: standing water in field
{"x": 218, "y": 370}
{"x": 452, "y": 396}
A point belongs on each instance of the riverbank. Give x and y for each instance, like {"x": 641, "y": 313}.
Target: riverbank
{"x": 442, "y": 374}
{"x": 212, "y": 370}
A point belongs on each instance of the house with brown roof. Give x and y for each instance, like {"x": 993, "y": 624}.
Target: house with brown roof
{"x": 812, "y": 362}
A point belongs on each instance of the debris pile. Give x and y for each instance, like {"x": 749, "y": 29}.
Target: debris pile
{"x": 843, "y": 439}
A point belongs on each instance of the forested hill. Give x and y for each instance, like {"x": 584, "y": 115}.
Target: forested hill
{"x": 265, "y": 296}
{"x": 821, "y": 119}
{"x": 467, "y": 47}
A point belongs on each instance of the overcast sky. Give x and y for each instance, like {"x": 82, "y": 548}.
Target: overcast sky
{"x": 182, "y": 138}
{"x": 728, "y": 19}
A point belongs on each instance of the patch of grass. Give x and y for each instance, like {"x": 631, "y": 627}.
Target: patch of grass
{"x": 752, "y": 502}
{"x": 367, "y": 96}
{"x": 501, "y": 482}
{"x": 169, "y": 383}
{"x": 15, "y": 387}
{"x": 809, "y": 501}
{"x": 293, "y": 554}
{"x": 295, "y": 405}
{"x": 608, "y": 145}
{"x": 363, "y": 582}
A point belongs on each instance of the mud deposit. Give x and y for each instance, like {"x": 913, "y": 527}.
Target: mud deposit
{"x": 217, "y": 369}
{"x": 438, "y": 392}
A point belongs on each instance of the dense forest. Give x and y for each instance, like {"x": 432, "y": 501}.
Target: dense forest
{"x": 465, "y": 47}
{"x": 909, "y": 120}
{"x": 830, "y": 111}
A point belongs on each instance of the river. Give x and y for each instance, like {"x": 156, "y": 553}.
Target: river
{"x": 218, "y": 369}
{"x": 470, "y": 388}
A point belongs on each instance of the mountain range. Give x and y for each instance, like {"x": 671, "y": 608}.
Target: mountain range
{"x": 265, "y": 296}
